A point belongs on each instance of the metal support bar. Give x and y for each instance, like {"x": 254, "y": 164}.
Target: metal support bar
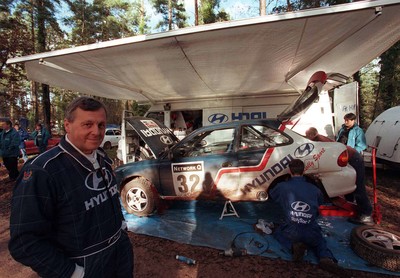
{"x": 228, "y": 210}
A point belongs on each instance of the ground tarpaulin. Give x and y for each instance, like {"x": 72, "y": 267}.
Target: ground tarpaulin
{"x": 198, "y": 223}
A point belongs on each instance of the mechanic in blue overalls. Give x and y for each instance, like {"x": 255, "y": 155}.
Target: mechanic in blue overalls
{"x": 300, "y": 201}
{"x": 66, "y": 218}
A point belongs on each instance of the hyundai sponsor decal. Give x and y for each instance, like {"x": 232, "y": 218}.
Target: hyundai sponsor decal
{"x": 300, "y": 206}
{"x": 219, "y": 118}
{"x": 304, "y": 150}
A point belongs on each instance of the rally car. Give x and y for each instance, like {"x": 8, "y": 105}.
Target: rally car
{"x": 236, "y": 161}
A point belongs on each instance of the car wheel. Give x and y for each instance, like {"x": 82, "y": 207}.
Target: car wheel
{"x": 138, "y": 198}
{"x": 378, "y": 246}
{"x": 107, "y": 145}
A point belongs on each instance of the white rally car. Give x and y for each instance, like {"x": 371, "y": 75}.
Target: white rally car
{"x": 237, "y": 161}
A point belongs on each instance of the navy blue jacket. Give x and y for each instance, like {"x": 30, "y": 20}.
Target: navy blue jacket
{"x": 61, "y": 206}
{"x": 299, "y": 201}
{"x": 9, "y": 143}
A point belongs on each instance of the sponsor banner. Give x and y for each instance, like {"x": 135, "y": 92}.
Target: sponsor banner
{"x": 227, "y": 114}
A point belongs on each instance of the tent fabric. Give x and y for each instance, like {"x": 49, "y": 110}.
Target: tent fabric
{"x": 269, "y": 55}
{"x": 198, "y": 223}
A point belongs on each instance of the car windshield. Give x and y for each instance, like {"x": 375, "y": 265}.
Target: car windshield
{"x": 208, "y": 143}
{"x": 260, "y": 136}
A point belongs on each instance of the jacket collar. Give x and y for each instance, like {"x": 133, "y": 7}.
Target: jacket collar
{"x": 78, "y": 156}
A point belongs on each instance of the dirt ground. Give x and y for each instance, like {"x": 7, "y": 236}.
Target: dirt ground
{"x": 155, "y": 257}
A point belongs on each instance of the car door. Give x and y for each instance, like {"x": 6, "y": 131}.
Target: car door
{"x": 260, "y": 150}
{"x": 198, "y": 164}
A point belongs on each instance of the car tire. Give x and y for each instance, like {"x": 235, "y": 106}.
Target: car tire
{"x": 107, "y": 145}
{"x": 138, "y": 198}
{"x": 376, "y": 245}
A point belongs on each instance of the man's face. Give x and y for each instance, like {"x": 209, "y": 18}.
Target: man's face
{"x": 87, "y": 130}
{"x": 349, "y": 123}
{"x": 6, "y": 126}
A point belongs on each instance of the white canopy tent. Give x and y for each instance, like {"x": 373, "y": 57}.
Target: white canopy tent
{"x": 269, "y": 56}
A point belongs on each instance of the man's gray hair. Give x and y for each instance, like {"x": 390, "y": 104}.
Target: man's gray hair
{"x": 84, "y": 103}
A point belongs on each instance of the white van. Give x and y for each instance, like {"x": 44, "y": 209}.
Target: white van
{"x": 384, "y": 135}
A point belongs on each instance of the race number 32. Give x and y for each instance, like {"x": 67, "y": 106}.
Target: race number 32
{"x": 187, "y": 177}
{"x": 184, "y": 186}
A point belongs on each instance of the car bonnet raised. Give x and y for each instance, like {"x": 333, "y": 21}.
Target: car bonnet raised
{"x": 156, "y": 135}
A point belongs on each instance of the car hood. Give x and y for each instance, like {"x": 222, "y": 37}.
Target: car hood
{"x": 156, "y": 135}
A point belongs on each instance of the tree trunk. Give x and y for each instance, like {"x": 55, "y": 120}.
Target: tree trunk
{"x": 35, "y": 102}
{"x": 357, "y": 78}
{"x": 169, "y": 15}
{"x": 263, "y": 7}
{"x": 12, "y": 97}
{"x": 196, "y": 13}
{"x": 42, "y": 48}
{"x": 46, "y": 105}
{"x": 289, "y": 6}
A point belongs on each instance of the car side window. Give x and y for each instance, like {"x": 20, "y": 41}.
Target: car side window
{"x": 260, "y": 136}
{"x": 109, "y": 132}
{"x": 117, "y": 132}
{"x": 212, "y": 142}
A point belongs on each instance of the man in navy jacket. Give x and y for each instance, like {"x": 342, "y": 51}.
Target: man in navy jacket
{"x": 9, "y": 149}
{"x": 300, "y": 201}
{"x": 66, "y": 218}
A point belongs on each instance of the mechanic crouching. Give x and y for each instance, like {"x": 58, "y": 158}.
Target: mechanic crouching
{"x": 300, "y": 201}
{"x": 66, "y": 218}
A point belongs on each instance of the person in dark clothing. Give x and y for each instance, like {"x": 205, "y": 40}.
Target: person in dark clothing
{"x": 41, "y": 136}
{"x": 23, "y": 135}
{"x": 364, "y": 207}
{"x": 9, "y": 149}
{"x": 300, "y": 201}
{"x": 66, "y": 218}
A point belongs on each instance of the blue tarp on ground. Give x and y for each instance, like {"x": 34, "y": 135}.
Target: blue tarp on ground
{"x": 198, "y": 223}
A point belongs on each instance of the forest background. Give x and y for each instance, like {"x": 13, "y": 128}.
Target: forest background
{"x": 35, "y": 26}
